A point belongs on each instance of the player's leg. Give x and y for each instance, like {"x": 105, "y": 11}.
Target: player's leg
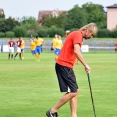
{"x": 22, "y": 53}
{"x": 16, "y": 53}
{"x": 9, "y": 55}
{"x": 73, "y": 105}
{"x": 38, "y": 56}
{"x": 20, "y": 56}
{"x": 67, "y": 83}
{"x": 34, "y": 54}
{"x": 12, "y": 56}
{"x": 19, "y": 52}
{"x": 40, "y": 51}
{"x": 37, "y": 53}
{"x": 56, "y": 54}
{"x": 64, "y": 99}
{"x": 56, "y": 57}
{"x": 12, "y": 52}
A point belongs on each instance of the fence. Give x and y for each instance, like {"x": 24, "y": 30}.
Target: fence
{"x": 94, "y": 45}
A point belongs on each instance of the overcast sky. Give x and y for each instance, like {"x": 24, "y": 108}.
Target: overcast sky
{"x": 20, "y": 8}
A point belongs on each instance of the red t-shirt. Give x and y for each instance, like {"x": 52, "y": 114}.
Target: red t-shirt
{"x": 19, "y": 43}
{"x": 11, "y": 43}
{"x": 67, "y": 56}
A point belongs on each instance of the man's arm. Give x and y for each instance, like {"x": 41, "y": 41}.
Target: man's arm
{"x": 80, "y": 57}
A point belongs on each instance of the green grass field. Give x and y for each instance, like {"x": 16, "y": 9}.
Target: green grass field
{"x": 29, "y": 88}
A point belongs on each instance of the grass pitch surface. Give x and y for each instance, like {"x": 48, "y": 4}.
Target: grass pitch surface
{"x": 29, "y": 88}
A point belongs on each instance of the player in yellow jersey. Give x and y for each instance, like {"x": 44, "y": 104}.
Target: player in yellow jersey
{"x": 53, "y": 41}
{"x": 22, "y": 48}
{"x": 57, "y": 45}
{"x": 39, "y": 43}
{"x": 33, "y": 49}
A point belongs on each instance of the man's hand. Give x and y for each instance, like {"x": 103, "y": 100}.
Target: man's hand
{"x": 87, "y": 69}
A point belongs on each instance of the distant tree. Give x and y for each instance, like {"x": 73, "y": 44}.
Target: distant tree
{"x": 29, "y": 22}
{"x": 101, "y": 8}
{"x": 2, "y": 25}
{"x": 95, "y": 13}
{"x": 48, "y": 20}
{"x": 2, "y": 16}
{"x": 11, "y": 23}
{"x": 8, "y": 24}
{"x": 76, "y": 18}
{"x": 61, "y": 20}
{"x": 54, "y": 30}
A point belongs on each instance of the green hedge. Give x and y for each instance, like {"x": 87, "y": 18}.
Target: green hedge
{"x": 10, "y": 34}
{"x": 2, "y": 34}
{"x": 20, "y": 31}
{"x": 105, "y": 33}
{"x": 54, "y": 30}
{"x": 50, "y": 32}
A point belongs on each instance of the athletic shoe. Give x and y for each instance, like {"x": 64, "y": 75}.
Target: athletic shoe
{"x": 49, "y": 114}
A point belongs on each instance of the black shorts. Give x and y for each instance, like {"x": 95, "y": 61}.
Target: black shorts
{"x": 66, "y": 78}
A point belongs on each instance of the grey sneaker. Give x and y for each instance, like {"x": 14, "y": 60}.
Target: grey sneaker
{"x": 49, "y": 114}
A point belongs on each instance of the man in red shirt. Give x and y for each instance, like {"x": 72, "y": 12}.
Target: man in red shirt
{"x": 11, "y": 44}
{"x": 64, "y": 68}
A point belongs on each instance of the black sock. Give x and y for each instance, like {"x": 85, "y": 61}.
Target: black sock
{"x": 16, "y": 54}
{"x": 20, "y": 55}
{"x": 12, "y": 56}
{"x": 9, "y": 56}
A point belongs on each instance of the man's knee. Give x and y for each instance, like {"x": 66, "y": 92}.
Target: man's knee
{"x": 73, "y": 94}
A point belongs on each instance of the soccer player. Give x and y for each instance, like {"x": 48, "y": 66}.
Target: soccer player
{"x": 38, "y": 41}
{"x": 31, "y": 37}
{"x": 53, "y": 41}
{"x": 18, "y": 48}
{"x": 64, "y": 68}
{"x": 57, "y": 45}
{"x": 116, "y": 46}
{"x": 22, "y": 48}
{"x": 33, "y": 49}
{"x": 11, "y": 44}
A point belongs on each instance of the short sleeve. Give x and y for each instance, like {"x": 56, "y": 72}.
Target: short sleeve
{"x": 77, "y": 38}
